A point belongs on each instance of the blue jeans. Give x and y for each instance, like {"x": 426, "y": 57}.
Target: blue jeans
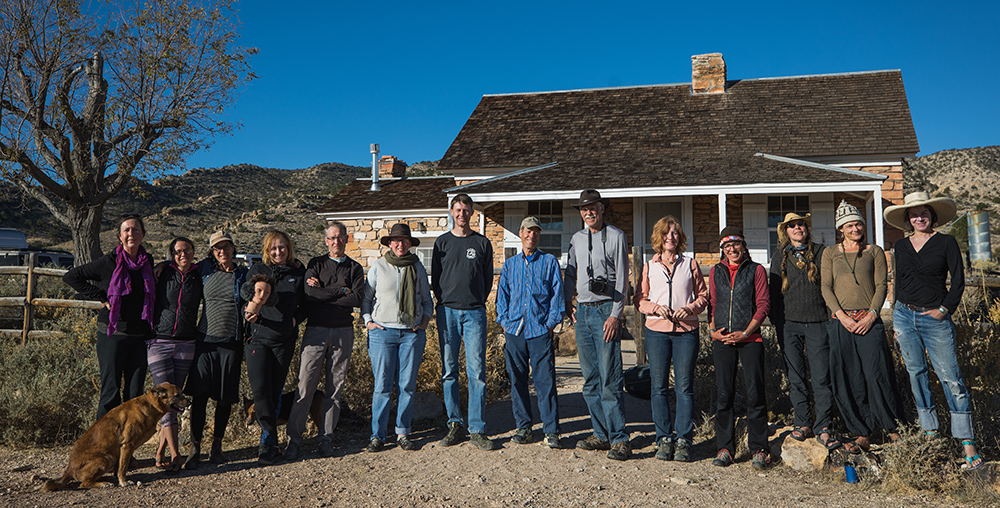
{"x": 920, "y": 337}
{"x": 682, "y": 348}
{"x": 519, "y": 351}
{"x": 456, "y": 326}
{"x": 396, "y": 354}
{"x": 601, "y": 366}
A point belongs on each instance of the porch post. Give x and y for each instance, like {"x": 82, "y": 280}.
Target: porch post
{"x": 877, "y": 220}
{"x": 722, "y": 211}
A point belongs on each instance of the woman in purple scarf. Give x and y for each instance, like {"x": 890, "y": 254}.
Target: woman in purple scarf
{"x": 123, "y": 281}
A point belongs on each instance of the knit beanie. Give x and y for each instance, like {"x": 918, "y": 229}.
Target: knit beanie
{"x": 847, "y": 212}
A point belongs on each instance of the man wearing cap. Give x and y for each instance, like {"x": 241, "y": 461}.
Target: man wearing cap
{"x": 334, "y": 286}
{"x": 597, "y": 273}
{"x": 461, "y": 278}
{"x": 529, "y": 305}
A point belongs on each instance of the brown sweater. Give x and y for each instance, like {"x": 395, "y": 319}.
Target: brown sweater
{"x": 840, "y": 290}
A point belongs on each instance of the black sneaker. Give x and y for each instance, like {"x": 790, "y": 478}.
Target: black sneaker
{"x": 761, "y": 460}
{"x": 405, "y": 443}
{"x": 270, "y": 457}
{"x": 521, "y": 436}
{"x": 593, "y": 443}
{"x": 665, "y": 450}
{"x": 194, "y": 457}
{"x": 374, "y": 445}
{"x": 620, "y": 451}
{"x": 552, "y": 441}
{"x": 326, "y": 449}
{"x": 455, "y": 435}
{"x": 723, "y": 458}
{"x": 293, "y": 452}
{"x": 216, "y": 455}
{"x": 482, "y": 442}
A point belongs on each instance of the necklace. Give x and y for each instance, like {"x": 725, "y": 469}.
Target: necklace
{"x": 844, "y": 252}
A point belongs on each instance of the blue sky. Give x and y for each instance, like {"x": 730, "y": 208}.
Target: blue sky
{"x": 336, "y": 76}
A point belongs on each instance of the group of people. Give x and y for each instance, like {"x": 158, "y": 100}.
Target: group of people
{"x": 824, "y": 302}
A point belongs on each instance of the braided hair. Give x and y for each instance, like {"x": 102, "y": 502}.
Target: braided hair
{"x": 813, "y": 270}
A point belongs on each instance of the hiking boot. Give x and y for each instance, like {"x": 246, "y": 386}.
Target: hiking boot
{"x": 682, "y": 451}
{"x": 326, "y": 449}
{"x": 405, "y": 443}
{"x": 521, "y": 436}
{"x": 455, "y": 435}
{"x": 761, "y": 460}
{"x": 665, "y": 450}
{"x": 723, "y": 458}
{"x": 293, "y": 452}
{"x": 482, "y": 442}
{"x": 216, "y": 455}
{"x": 593, "y": 443}
{"x": 193, "y": 459}
{"x": 269, "y": 456}
{"x": 552, "y": 441}
{"x": 374, "y": 445}
{"x": 620, "y": 451}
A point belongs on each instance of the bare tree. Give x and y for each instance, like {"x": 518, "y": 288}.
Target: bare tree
{"x": 95, "y": 94}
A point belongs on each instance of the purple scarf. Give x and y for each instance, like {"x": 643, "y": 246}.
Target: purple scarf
{"x": 121, "y": 284}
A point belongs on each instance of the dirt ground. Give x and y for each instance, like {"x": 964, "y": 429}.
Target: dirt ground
{"x": 462, "y": 475}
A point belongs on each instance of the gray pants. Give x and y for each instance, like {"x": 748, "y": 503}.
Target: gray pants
{"x": 324, "y": 350}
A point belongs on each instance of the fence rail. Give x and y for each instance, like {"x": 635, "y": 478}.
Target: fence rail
{"x": 29, "y": 301}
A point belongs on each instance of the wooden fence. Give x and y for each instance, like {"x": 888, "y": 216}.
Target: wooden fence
{"x": 29, "y": 301}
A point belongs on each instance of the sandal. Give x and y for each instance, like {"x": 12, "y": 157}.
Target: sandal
{"x": 930, "y": 434}
{"x": 162, "y": 463}
{"x": 174, "y": 466}
{"x": 968, "y": 466}
{"x": 831, "y": 442}
{"x": 856, "y": 447}
{"x": 802, "y": 433}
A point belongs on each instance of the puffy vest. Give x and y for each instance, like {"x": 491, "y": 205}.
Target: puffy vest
{"x": 734, "y": 304}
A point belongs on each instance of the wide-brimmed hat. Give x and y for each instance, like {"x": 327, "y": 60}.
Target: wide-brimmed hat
{"x": 400, "y": 230}
{"x": 592, "y": 196}
{"x": 847, "y": 212}
{"x": 944, "y": 207}
{"x": 790, "y": 217}
{"x": 219, "y": 237}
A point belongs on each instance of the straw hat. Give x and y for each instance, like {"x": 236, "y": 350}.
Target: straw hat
{"x": 945, "y": 209}
{"x": 789, "y": 217}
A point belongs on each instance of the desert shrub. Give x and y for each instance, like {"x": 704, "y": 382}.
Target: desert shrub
{"x": 920, "y": 463}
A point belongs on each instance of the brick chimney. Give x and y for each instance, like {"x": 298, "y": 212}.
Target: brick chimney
{"x": 708, "y": 73}
{"x": 391, "y": 167}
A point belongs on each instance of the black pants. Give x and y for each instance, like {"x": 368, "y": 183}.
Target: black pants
{"x": 122, "y": 361}
{"x": 751, "y": 355}
{"x": 267, "y": 367}
{"x": 802, "y": 342}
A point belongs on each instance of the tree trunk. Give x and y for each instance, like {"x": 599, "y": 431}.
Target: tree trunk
{"x": 86, "y": 228}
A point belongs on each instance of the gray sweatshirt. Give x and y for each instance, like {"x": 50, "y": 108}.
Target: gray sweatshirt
{"x": 609, "y": 258}
{"x": 381, "y": 302}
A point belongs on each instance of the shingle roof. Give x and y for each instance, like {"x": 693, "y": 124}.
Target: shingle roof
{"x": 688, "y": 171}
{"x": 419, "y": 193}
{"x": 856, "y": 114}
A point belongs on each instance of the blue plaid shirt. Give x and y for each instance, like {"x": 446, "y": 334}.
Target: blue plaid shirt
{"x": 530, "y": 295}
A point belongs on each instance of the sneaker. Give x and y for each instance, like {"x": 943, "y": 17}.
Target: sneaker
{"x": 620, "y": 451}
{"x": 593, "y": 443}
{"x": 405, "y": 443}
{"x": 723, "y": 458}
{"x": 552, "y": 441}
{"x": 216, "y": 455}
{"x": 682, "y": 451}
{"x": 269, "y": 457}
{"x": 374, "y": 445}
{"x": 521, "y": 436}
{"x": 293, "y": 452}
{"x": 326, "y": 449}
{"x": 665, "y": 450}
{"x": 761, "y": 460}
{"x": 194, "y": 457}
{"x": 456, "y": 434}
{"x": 482, "y": 442}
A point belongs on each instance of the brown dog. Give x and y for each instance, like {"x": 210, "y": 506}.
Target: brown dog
{"x": 285, "y": 408}
{"x": 109, "y": 443}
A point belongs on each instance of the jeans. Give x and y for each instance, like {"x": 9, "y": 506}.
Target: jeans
{"x": 326, "y": 352}
{"x": 601, "y": 366}
{"x": 682, "y": 349}
{"x": 456, "y": 326}
{"x": 808, "y": 344}
{"x": 920, "y": 337}
{"x": 518, "y": 352}
{"x": 396, "y": 354}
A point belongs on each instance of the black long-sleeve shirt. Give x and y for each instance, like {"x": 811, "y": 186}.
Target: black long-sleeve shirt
{"x": 462, "y": 270}
{"x": 289, "y": 313}
{"x": 92, "y": 281}
{"x": 921, "y": 277}
{"x": 342, "y": 286}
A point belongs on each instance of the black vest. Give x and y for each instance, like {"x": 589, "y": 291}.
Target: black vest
{"x": 734, "y": 306}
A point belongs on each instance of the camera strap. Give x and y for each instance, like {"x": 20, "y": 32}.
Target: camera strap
{"x": 590, "y": 251}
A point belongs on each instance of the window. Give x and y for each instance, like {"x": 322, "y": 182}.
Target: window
{"x": 777, "y": 207}
{"x": 549, "y": 213}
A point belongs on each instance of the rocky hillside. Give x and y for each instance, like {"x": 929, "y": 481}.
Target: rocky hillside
{"x": 971, "y": 176}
